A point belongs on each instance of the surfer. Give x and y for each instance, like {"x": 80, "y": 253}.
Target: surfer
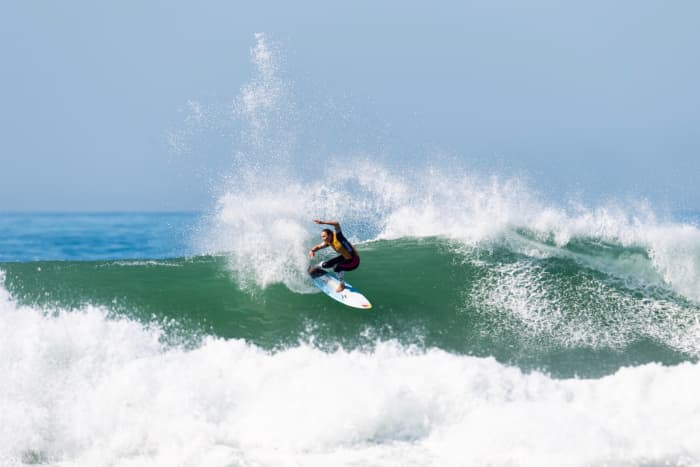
{"x": 348, "y": 259}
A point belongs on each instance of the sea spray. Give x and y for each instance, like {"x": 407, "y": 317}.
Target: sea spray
{"x": 278, "y": 181}
{"x": 265, "y": 223}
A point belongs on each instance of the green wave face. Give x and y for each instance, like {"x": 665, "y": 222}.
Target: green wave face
{"x": 586, "y": 309}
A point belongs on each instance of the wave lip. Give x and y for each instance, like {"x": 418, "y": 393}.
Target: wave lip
{"x": 265, "y": 203}
{"x": 263, "y": 222}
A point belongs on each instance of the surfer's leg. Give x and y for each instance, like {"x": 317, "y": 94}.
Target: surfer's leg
{"x": 333, "y": 263}
{"x": 317, "y": 269}
{"x": 316, "y": 272}
{"x": 346, "y": 265}
{"x": 330, "y": 264}
{"x": 341, "y": 284}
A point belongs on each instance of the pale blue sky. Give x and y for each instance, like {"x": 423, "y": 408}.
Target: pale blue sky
{"x": 596, "y": 97}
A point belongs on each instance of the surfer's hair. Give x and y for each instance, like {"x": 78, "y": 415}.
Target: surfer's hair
{"x": 328, "y": 231}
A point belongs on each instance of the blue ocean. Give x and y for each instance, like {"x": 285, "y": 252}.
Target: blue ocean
{"x": 508, "y": 328}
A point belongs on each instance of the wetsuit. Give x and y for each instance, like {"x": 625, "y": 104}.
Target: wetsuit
{"x": 348, "y": 259}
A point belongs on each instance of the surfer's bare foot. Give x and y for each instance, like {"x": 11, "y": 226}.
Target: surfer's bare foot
{"x": 340, "y": 287}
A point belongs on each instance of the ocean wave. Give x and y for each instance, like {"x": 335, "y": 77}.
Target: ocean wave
{"x": 265, "y": 203}
{"x": 80, "y": 388}
{"x": 264, "y": 226}
{"x": 555, "y": 312}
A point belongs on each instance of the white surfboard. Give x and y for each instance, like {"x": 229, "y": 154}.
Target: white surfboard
{"x": 328, "y": 282}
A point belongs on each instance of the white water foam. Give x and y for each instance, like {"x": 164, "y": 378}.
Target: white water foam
{"x": 263, "y": 213}
{"x": 264, "y": 221}
{"x": 585, "y": 312}
{"x": 79, "y": 389}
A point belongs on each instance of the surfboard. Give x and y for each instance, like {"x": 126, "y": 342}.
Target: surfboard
{"x": 350, "y": 296}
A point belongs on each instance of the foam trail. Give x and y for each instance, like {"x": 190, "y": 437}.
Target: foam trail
{"x": 80, "y": 389}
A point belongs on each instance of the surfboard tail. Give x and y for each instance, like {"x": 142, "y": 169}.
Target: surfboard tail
{"x": 350, "y": 296}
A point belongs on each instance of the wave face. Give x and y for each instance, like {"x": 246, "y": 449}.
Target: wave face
{"x": 506, "y": 328}
{"x": 94, "y": 387}
{"x": 585, "y": 309}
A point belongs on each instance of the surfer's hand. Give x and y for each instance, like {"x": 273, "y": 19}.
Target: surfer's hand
{"x": 311, "y": 253}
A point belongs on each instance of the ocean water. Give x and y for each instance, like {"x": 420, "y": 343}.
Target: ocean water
{"x": 94, "y": 236}
{"x": 570, "y": 341}
{"x": 507, "y": 329}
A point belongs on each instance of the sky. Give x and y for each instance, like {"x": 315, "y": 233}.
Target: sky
{"x": 596, "y": 97}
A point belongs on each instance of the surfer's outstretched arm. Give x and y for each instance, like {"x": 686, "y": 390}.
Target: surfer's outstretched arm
{"x": 314, "y": 249}
{"x": 335, "y": 224}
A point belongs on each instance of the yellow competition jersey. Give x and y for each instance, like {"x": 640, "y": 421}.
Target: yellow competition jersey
{"x": 342, "y": 245}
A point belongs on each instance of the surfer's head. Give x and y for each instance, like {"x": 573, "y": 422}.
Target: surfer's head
{"x": 327, "y": 235}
